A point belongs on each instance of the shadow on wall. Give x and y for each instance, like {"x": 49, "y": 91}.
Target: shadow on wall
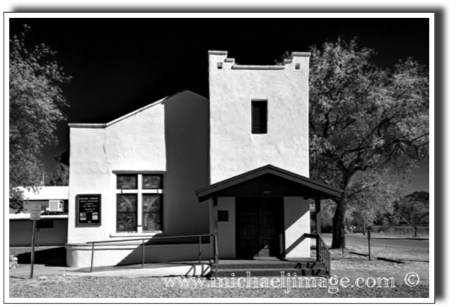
{"x": 156, "y": 255}
{"x": 297, "y": 213}
{"x": 187, "y": 156}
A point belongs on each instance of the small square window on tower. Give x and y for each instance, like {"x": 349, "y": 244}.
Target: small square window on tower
{"x": 297, "y": 66}
{"x": 259, "y": 116}
{"x": 219, "y": 65}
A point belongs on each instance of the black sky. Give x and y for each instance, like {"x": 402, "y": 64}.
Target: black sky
{"x": 119, "y": 65}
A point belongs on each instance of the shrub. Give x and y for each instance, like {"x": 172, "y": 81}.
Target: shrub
{"x": 13, "y": 262}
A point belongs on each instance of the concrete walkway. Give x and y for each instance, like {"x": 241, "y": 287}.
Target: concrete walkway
{"x": 187, "y": 268}
{"x": 40, "y": 269}
{"x": 150, "y": 270}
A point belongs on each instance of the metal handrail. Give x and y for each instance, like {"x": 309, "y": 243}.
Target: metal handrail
{"x": 215, "y": 255}
{"x": 323, "y": 253}
{"x": 152, "y": 238}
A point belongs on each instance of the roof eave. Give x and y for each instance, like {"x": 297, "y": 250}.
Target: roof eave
{"x": 321, "y": 189}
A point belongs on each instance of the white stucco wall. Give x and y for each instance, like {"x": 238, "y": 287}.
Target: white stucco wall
{"x": 226, "y": 230}
{"x": 135, "y": 143}
{"x": 234, "y": 150}
{"x": 296, "y": 223}
{"x": 169, "y": 136}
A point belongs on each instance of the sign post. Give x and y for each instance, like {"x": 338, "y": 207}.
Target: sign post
{"x": 35, "y": 213}
{"x": 369, "y": 239}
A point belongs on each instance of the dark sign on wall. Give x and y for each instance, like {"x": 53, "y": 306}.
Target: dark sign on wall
{"x": 89, "y": 210}
{"x": 222, "y": 216}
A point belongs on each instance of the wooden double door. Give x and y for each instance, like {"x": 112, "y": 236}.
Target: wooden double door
{"x": 259, "y": 223}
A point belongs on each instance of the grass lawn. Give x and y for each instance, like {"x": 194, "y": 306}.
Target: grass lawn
{"x": 354, "y": 265}
{"x": 347, "y": 265}
{"x": 115, "y": 287}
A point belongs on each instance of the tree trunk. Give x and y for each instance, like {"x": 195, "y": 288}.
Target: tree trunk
{"x": 338, "y": 238}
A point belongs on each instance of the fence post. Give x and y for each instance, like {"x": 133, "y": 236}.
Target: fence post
{"x": 32, "y": 254}
{"x": 369, "y": 239}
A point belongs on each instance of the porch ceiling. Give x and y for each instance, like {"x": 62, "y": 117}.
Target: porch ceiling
{"x": 284, "y": 183}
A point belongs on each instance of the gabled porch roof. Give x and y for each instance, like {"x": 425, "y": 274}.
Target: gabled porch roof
{"x": 312, "y": 187}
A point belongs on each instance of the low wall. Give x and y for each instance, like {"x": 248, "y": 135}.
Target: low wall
{"x": 79, "y": 255}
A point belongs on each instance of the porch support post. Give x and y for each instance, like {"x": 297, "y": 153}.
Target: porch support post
{"x": 214, "y": 199}
{"x": 318, "y": 227}
{"x": 215, "y": 234}
{"x": 318, "y": 214}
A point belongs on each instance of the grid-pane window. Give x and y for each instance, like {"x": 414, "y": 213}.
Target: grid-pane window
{"x": 127, "y": 182}
{"x": 126, "y": 212}
{"x": 152, "y": 212}
{"x": 139, "y": 202}
{"x": 152, "y": 181}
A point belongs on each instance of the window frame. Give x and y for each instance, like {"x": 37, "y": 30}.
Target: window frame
{"x": 127, "y": 175}
{"x": 160, "y": 216}
{"x": 133, "y": 213}
{"x": 139, "y": 192}
{"x": 260, "y": 127}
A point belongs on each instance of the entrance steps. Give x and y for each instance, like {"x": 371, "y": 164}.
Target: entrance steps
{"x": 269, "y": 267}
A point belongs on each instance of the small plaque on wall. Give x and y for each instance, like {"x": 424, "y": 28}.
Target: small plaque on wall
{"x": 222, "y": 216}
{"x": 88, "y": 210}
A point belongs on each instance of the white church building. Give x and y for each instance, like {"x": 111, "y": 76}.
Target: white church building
{"x": 233, "y": 168}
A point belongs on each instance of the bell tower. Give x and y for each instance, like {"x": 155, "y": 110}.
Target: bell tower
{"x": 258, "y": 115}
